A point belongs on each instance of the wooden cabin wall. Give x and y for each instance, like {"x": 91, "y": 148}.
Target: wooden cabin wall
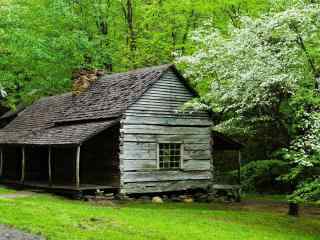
{"x": 99, "y": 159}
{"x": 153, "y": 119}
{"x": 12, "y": 162}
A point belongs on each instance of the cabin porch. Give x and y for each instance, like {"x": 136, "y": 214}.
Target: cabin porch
{"x": 90, "y": 165}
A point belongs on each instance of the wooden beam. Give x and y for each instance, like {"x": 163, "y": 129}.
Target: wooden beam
{"x": 23, "y": 165}
{"x": 78, "y": 167}
{"x": 239, "y": 167}
{"x": 49, "y": 167}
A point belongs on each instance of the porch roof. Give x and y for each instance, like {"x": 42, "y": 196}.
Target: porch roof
{"x": 58, "y": 135}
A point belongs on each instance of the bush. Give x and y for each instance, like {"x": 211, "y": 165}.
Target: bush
{"x": 262, "y": 176}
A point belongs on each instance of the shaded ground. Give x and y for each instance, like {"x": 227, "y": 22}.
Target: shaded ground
{"x": 268, "y": 204}
{"x": 7, "y": 233}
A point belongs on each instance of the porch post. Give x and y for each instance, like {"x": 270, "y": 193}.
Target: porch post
{"x": 23, "y": 166}
{"x": 49, "y": 166}
{"x": 239, "y": 168}
{"x": 78, "y": 167}
{"x": 1, "y": 162}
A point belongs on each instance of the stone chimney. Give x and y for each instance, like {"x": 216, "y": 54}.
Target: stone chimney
{"x": 83, "y": 78}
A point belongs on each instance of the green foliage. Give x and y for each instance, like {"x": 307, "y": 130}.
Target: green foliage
{"x": 43, "y": 41}
{"x": 261, "y": 176}
{"x": 308, "y": 190}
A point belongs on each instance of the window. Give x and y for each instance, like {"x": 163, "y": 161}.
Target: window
{"x": 170, "y": 155}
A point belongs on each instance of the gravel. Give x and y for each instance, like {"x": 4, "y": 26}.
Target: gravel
{"x": 7, "y": 233}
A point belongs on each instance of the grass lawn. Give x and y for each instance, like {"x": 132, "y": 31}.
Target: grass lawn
{"x": 4, "y": 190}
{"x": 60, "y": 219}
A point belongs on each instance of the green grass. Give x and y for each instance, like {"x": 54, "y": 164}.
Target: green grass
{"x": 59, "y": 219}
{"x": 4, "y": 190}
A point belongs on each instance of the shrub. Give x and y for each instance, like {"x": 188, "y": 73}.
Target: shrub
{"x": 262, "y": 176}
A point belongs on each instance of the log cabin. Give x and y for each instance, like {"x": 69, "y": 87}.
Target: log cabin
{"x": 126, "y": 132}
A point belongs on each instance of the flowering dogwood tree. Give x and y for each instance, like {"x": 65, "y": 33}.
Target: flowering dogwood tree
{"x": 252, "y": 74}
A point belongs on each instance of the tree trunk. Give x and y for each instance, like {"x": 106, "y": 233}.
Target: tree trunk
{"x": 128, "y": 14}
{"x": 293, "y": 209}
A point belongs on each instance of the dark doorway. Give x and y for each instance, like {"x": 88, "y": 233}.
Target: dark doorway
{"x": 12, "y": 163}
{"x": 37, "y": 164}
{"x": 63, "y": 165}
{"x": 99, "y": 159}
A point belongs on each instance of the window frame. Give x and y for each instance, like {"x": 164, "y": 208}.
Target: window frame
{"x": 181, "y": 156}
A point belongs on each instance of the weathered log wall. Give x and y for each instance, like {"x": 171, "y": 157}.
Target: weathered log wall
{"x": 154, "y": 119}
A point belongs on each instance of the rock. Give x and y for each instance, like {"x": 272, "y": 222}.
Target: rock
{"x": 145, "y": 198}
{"x": 157, "y": 200}
{"x": 211, "y": 197}
{"x": 165, "y": 197}
{"x": 182, "y": 197}
{"x": 201, "y": 197}
{"x": 122, "y": 197}
{"x": 175, "y": 198}
{"x": 188, "y": 200}
{"x": 108, "y": 194}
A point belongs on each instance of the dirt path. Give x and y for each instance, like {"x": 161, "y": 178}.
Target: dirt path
{"x": 15, "y": 195}
{"x": 7, "y": 233}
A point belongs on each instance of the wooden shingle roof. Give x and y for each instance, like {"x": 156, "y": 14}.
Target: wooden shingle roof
{"x": 111, "y": 95}
{"x": 70, "y": 119}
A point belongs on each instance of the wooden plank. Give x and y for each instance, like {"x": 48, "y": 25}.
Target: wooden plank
{"x": 159, "y": 103}
{"x": 161, "y": 97}
{"x": 147, "y": 164}
{"x": 165, "y": 95}
{"x": 164, "y": 82}
{"x": 197, "y": 165}
{"x": 23, "y": 165}
{"x": 172, "y": 88}
{"x": 196, "y": 146}
{"x": 165, "y": 110}
{"x": 134, "y": 146}
{"x": 177, "y": 116}
{"x": 49, "y": 166}
{"x": 138, "y": 154}
{"x": 154, "y": 138}
{"x": 168, "y": 92}
{"x": 165, "y": 186}
{"x": 162, "y": 175}
{"x": 152, "y": 129}
{"x": 196, "y": 154}
{"x": 165, "y": 113}
{"x": 154, "y": 108}
{"x": 166, "y": 121}
{"x": 156, "y": 97}
{"x": 226, "y": 186}
{"x": 78, "y": 166}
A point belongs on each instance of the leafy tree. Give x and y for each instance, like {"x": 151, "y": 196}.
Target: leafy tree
{"x": 257, "y": 75}
{"x": 43, "y": 42}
